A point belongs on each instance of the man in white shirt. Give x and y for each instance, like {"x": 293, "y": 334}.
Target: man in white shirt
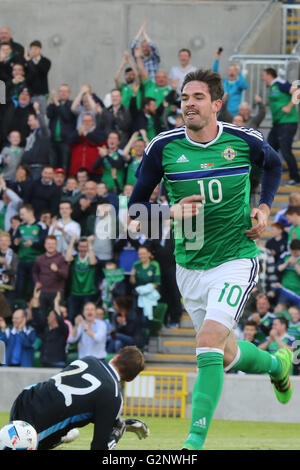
{"x": 90, "y": 332}
{"x": 179, "y": 72}
{"x": 64, "y": 227}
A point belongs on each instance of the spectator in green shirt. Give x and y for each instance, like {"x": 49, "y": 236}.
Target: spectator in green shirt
{"x": 83, "y": 269}
{"x": 146, "y": 270}
{"x": 294, "y": 330}
{"x": 293, "y": 216}
{"x": 29, "y": 241}
{"x": 130, "y": 77}
{"x": 284, "y": 119}
{"x": 289, "y": 266}
{"x": 278, "y": 337}
{"x": 110, "y": 158}
{"x": 133, "y": 154}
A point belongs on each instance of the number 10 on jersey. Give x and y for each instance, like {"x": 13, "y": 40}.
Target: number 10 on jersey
{"x": 214, "y": 190}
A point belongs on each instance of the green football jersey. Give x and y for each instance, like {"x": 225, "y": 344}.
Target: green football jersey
{"x": 279, "y": 96}
{"x": 290, "y": 278}
{"x": 266, "y": 322}
{"x": 83, "y": 276}
{"x": 159, "y": 93}
{"x": 146, "y": 275}
{"x": 273, "y": 347}
{"x": 294, "y": 233}
{"x": 131, "y": 170}
{"x": 127, "y": 92}
{"x": 107, "y": 176}
{"x": 218, "y": 170}
{"x": 31, "y": 233}
{"x": 294, "y": 330}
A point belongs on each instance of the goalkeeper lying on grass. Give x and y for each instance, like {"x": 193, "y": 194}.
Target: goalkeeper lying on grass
{"x": 86, "y": 391}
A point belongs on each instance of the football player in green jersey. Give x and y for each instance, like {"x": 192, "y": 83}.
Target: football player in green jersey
{"x": 205, "y": 166}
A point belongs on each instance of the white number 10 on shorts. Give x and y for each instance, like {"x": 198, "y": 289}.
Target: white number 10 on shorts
{"x": 220, "y": 293}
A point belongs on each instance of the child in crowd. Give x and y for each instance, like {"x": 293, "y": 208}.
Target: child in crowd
{"x": 11, "y": 156}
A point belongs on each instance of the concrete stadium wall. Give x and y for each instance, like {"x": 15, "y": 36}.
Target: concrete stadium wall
{"x": 244, "y": 397}
{"x": 251, "y": 398}
{"x": 85, "y": 39}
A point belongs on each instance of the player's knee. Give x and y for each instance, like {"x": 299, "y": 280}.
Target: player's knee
{"x": 212, "y": 335}
{"x": 209, "y": 340}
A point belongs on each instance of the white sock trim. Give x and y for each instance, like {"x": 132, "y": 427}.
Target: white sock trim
{"x": 208, "y": 350}
{"x": 235, "y": 360}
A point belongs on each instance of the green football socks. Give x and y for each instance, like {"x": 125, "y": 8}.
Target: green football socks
{"x": 206, "y": 394}
{"x": 256, "y": 361}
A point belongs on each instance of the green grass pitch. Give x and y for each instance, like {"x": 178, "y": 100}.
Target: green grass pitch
{"x": 169, "y": 434}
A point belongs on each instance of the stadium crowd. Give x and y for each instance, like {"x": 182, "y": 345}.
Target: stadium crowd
{"x": 67, "y": 171}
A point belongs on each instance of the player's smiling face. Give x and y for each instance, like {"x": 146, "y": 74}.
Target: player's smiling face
{"x": 196, "y": 105}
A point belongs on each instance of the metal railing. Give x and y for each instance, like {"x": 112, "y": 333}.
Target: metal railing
{"x": 160, "y": 394}
{"x": 252, "y": 66}
{"x": 252, "y": 27}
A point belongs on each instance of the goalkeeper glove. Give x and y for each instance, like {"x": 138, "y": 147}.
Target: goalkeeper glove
{"x": 117, "y": 432}
{"x": 138, "y": 427}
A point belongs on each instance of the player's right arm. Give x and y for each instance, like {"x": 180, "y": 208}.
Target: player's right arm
{"x": 106, "y": 414}
{"x": 149, "y": 175}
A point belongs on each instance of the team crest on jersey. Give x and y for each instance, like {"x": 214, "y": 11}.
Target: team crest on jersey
{"x": 229, "y": 154}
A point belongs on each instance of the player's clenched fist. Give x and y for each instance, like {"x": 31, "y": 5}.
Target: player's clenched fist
{"x": 187, "y": 207}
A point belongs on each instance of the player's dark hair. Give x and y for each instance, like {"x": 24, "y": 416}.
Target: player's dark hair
{"x": 114, "y": 132}
{"x": 51, "y": 237}
{"x": 28, "y": 207}
{"x": 82, "y": 169}
{"x": 36, "y": 43}
{"x": 279, "y": 225}
{"x": 271, "y": 71}
{"x": 124, "y": 302}
{"x": 66, "y": 202}
{"x": 185, "y": 50}
{"x": 295, "y": 245}
{"x": 212, "y": 79}
{"x": 283, "y": 321}
{"x": 129, "y": 362}
{"x": 250, "y": 323}
{"x": 293, "y": 210}
{"x": 146, "y": 101}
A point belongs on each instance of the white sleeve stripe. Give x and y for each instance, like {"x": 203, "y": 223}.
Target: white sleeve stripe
{"x": 163, "y": 135}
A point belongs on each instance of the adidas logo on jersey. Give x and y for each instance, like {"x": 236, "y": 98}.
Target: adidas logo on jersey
{"x": 182, "y": 159}
{"x": 201, "y": 423}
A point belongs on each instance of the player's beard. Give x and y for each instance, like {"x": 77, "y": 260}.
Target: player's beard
{"x": 196, "y": 126}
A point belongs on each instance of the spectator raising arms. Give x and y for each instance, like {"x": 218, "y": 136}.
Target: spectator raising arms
{"x": 84, "y": 145}
{"x": 83, "y": 267}
{"x": 52, "y": 330}
{"x": 62, "y": 122}
{"x": 150, "y": 54}
{"x": 38, "y": 68}
{"x": 234, "y": 84}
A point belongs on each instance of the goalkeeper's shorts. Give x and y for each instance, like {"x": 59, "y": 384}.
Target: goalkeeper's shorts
{"x": 218, "y": 294}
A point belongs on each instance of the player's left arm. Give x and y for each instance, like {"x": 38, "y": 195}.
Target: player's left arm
{"x": 287, "y": 87}
{"x": 265, "y": 156}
